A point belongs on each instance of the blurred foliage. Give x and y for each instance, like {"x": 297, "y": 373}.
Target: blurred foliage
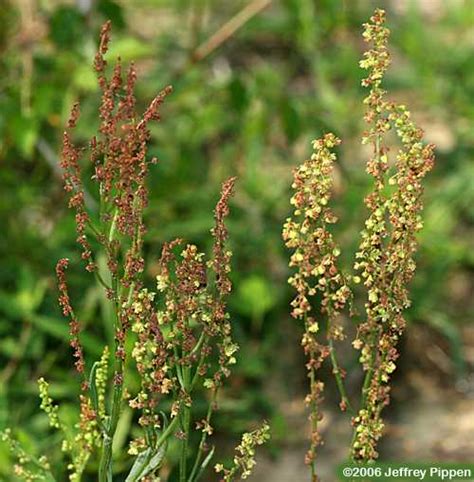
{"x": 249, "y": 108}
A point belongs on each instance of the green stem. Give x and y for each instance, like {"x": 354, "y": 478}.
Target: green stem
{"x": 113, "y": 226}
{"x": 314, "y": 425}
{"x": 101, "y": 280}
{"x": 202, "y": 340}
{"x": 186, "y": 422}
{"x": 337, "y": 375}
{"x": 184, "y": 443}
{"x": 169, "y": 430}
{"x": 202, "y": 443}
{"x": 105, "y": 466}
{"x": 373, "y": 342}
{"x": 336, "y": 370}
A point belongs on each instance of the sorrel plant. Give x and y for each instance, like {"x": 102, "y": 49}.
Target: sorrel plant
{"x": 384, "y": 261}
{"x": 181, "y": 332}
{"x": 178, "y": 335}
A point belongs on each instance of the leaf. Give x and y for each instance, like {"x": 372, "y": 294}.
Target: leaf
{"x": 123, "y": 429}
{"x": 204, "y": 464}
{"x": 93, "y": 387}
{"x": 24, "y": 132}
{"x": 84, "y": 78}
{"x": 138, "y": 466}
{"x": 60, "y": 329}
{"x": 291, "y": 120}
{"x": 112, "y": 11}
{"x": 127, "y": 49}
{"x": 146, "y": 463}
{"x": 155, "y": 461}
{"x": 255, "y": 297}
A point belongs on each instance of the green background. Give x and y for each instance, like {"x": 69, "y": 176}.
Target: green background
{"x": 250, "y": 108}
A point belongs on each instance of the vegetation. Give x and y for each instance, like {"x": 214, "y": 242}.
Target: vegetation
{"x": 177, "y": 336}
{"x": 253, "y": 80}
{"x": 384, "y": 258}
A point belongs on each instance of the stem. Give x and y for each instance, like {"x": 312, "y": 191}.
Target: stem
{"x": 202, "y": 443}
{"x": 367, "y": 380}
{"x": 337, "y": 375}
{"x": 113, "y": 225}
{"x": 335, "y": 365}
{"x": 202, "y": 340}
{"x": 184, "y": 444}
{"x": 105, "y": 464}
{"x": 105, "y": 467}
{"x": 101, "y": 280}
{"x": 167, "y": 433}
{"x": 186, "y": 422}
{"x": 379, "y": 185}
{"x": 370, "y": 370}
{"x": 314, "y": 425}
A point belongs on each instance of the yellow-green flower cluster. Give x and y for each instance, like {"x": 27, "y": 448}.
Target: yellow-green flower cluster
{"x": 47, "y": 403}
{"x": 87, "y": 438}
{"x": 27, "y": 467}
{"x": 101, "y": 382}
{"x": 150, "y": 355}
{"x": 183, "y": 334}
{"x": 377, "y": 59}
{"x": 314, "y": 251}
{"x": 315, "y": 258}
{"x": 244, "y": 460}
{"x": 385, "y": 258}
{"x": 87, "y": 435}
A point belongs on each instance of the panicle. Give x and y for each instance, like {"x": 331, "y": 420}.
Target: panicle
{"x": 385, "y": 258}
{"x": 99, "y": 62}
{"x": 222, "y": 256}
{"x": 179, "y": 336}
{"x": 119, "y": 158}
{"x": 26, "y": 467}
{"x": 74, "y": 325}
{"x": 244, "y": 459}
{"x": 315, "y": 259}
{"x": 73, "y": 185}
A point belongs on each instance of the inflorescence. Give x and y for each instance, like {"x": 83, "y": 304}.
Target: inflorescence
{"x": 385, "y": 258}
{"x": 180, "y": 333}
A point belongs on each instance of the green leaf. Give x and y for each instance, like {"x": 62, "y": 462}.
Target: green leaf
{"x": 25, "y": 133}
{"x": 123, "y": 429}
{"x": 60, "y": 329}
{"x": 84, "y": 78}
{"x": 146, "y": 463}
{"x": 138, "y": 466}
{"x": 255, "y": 297}
{"x": 204, "y": 464}
{"x": 93, "y": 387}
{"x": 112, "y": 11}
{"x": 128, "y": 48}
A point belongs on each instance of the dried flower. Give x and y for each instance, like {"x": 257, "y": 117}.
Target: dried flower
{"x": 74, "y": 326}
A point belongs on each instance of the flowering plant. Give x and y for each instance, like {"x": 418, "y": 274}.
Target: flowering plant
{"x": 384, "y": 261}
{"x": 178, "y": 337}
